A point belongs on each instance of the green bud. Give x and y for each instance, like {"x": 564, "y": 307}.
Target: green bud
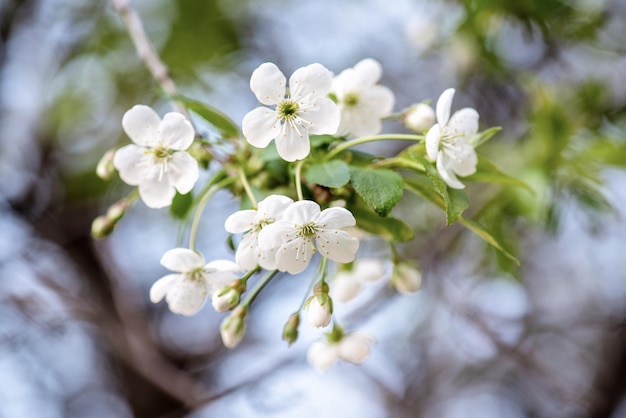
{"x": 105, "y": 168}
{"x": 102, "y": 227}
{"x": 290, "y": 330}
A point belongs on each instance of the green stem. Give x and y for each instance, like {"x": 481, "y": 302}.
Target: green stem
{"x": 246, "y": 187}
{"x": 348, "y": 144}
{"x": 250, "y": 274}
{"x": 207, "y": 193}
{"x": 320, "y": 271}
{"x": 299, "y": 179}
{"x": 257, "y": 289}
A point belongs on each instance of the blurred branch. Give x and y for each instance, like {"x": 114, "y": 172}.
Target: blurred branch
{"x": 146, "y": 51}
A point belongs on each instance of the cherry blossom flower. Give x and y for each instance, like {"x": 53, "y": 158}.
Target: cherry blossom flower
{"x": 302, "y": 110}
{"x": 406, "y": 278}
{"x": 186, "y": 291}
{"x": 320, "y": 309}
{"x": 157, "y": 161}
{"x": 302, "y": 222}
{"x": 251, "y": 222}
{"x": 354, "y": 348}
{"x": 363, "y": 103}
{"x": 448, "y": 141}
{"x": 347, "y": 283}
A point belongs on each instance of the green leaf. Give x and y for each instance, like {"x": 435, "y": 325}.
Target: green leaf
{"x": 487, "y": 172}
{"x": 484, "y": 136}
{"x": 331, "y": 174}
{"x": 455, "y": 201}
{"x": 319, "y": 140}
{"x": 181, "y": 205}
{"x": 381, "y": 189}
{"x": 219, "y": 120}
{"x": 486, "y": 235}
{"x": 390, "y": 228}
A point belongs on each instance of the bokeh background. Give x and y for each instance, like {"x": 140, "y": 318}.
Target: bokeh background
{"x": 483, "y": 338}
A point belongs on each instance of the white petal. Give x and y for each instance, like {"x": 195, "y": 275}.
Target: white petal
{"x": 183, "y": 171}
{"x": 176, "y": 131}
{"x": 302, "y": 212}
{"x": 355, "y": 347}
{"x": 446, "y": 173}
{"x": 186, "y": 297}
{"x": 247, "y": 251}
{"x": 433, "y": 137}
{"x": 323, "y": 117}
{"x": 337, "y": 245}
{"x": 369, "y": 71}
{"x": 267, "y": 258}
{"x": 313, "y": 79}
{"x": 268, "y": 84}
{"x": 276, "y": 234}
{"x": 444, "y": 103}
{"x": 216, "y": 280}
{"x": 222, "y": 265}
{"x": 293, "y": 144}
{"x": 345, "y": 287}
{"x": 336, "y": 218}
{"x": 156, "y": 194}
{"x": 464, "y": 123}
{"x": 182, "y": 260}
{"x": 322, "y": 356}
{"x": 379, "y": 101}
{"x": 240, "y": 221}
{"x": 141, "y": 124}
{"x": 464, "y": 159}
{"x": 131, "y": 162}
{"x": 273, "y": 206}
{"x": 260, "y": 126}
{"x": 295, "y": 255}
{"x": 160, "y": 288}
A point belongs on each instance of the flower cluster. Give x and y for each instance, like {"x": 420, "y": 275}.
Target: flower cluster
{"x": 284, "y": 232}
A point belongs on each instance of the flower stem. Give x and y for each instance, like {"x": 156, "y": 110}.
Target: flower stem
{"x": 348, "y": 144}
{"x": 320, "y": 271}
{"x": 210, "y": 189}
{"x": 299, "y": 179}
{"x": 250, "y": 274}
{"x": 246, "y": 187}
{"x": 257, "y": 289}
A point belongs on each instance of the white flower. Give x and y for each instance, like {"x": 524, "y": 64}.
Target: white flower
{"x": 157, "y": 161}
{"x": 419, "y": 117}
{"x": 346, "y": 284}
{"x": 304, "y": 110}
{"x": 363, "y": 103}
{"x": 319, "y": 310}
{"x": 353, "y": 348}
{"x": 301, "y": 223}
{"x": 251, "y": 222}
{"x": 186, "y": 291}
{"x": 225, "y": 299}
{"x": 448, "y": 141}
{"x": 406, "y": 278}
{"x": 233, "y": 327}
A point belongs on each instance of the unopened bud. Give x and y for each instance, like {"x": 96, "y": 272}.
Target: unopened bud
{"x": 117, "y": 210}
{"x": 225, "y": 299}
{"x": 105, "y": 168}
{"x": 290, "y": 331}
{"x": 102, "y": 227}
{"x": 419, "y": 117}
{"x": 406, "y": 278}
{"x": 201, "y": 153}
{"x": 320, "y": 309}
{"x": 233, "y": 327}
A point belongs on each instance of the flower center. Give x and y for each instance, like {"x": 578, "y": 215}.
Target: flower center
{"x": 351, "y": 99}
{"x": 307, "y": 230}
{"x": 263, "y": 223}
{"x": 287, "y": 109}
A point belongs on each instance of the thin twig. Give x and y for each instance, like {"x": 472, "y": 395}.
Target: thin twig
{"x": 146, "y": 51}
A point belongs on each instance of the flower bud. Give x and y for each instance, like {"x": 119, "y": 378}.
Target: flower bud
{"x": 105, "y": 168}
{"x": 225, "y": 299}
{"x": 419, "y": 117}
{"x": 233, "y": 327}
{"x": 102, "y": 227}
{"x": 290, "y": 331}
{"x": 355, "y": 347}
{"x": 201, "y": 152}
{"x": 406, "y": 278}
{"x": 320, "y": 309}
{"x": 117, "y": 210}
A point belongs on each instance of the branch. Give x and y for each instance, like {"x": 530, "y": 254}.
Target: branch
{"x": 146, "y": 51}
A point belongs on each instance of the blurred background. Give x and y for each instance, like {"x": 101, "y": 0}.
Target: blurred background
{"x": 484, "y": 337}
